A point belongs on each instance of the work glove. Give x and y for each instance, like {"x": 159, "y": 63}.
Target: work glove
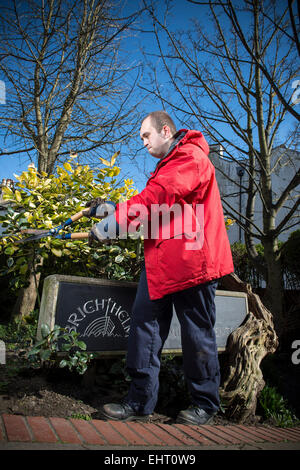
{"x": 94, "y": 237}
{"x": 99, "y": 208}
{"x": 103, "y": 231}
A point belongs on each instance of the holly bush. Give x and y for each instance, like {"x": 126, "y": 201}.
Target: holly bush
{"x": 43, "y": 201}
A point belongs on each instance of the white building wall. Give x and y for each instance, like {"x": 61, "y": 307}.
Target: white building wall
{"x": 285, "y": 164}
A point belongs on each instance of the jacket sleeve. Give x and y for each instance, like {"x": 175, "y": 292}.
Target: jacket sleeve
{"x": 173, "y": 182}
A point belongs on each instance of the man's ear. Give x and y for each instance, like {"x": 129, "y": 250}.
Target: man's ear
{"x": 166, "y": 131}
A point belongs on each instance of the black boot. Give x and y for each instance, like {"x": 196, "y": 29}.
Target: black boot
{"x": 121, "y": 412}
{"x": 194, "y": 415}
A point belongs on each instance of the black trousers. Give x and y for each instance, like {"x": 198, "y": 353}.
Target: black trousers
{"x": 150, "y": 323}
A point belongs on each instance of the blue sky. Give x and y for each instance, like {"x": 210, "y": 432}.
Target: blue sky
{"x": 15, "y": 164}
{"x": 183, "y": 12}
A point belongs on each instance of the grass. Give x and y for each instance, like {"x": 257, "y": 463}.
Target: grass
{"x": 275, "y": 408}
{"x": 81, "y": 416}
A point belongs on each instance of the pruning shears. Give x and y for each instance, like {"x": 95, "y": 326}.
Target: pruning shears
{"x": 37, "y": 234}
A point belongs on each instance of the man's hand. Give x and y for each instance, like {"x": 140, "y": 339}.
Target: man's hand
{"x": 105, "y": 230}
{"x": 92, "y": 206}
{"x": 99, "y": 208}
{"x": 96, "y": 237}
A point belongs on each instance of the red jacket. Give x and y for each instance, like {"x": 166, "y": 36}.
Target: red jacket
{"x": 197, "y": 249}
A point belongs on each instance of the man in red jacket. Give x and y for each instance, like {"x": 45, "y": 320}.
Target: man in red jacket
{"x": 186, "y": 250}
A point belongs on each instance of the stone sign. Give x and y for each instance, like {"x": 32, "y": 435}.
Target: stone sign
{"x": 99, "y": 310}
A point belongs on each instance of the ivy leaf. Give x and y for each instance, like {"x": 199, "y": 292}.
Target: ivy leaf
{"x": 10, "y": 262}
{"x": 23, "y": 269}
{"x": 9, "y": 250}
{"x": 45, "y": 330}
{"x": 68, "y": 167}
{"x": 105, "y": 162}
{"x": 56, "y": 252}
{"x": 113, "y": 158}
{"x": 18, "y": 196}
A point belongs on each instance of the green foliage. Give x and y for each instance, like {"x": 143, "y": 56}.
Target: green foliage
{"x": 275, "y": 408}
{"x": 20, "y": 331}
{"x": 118, "y": 375}
{"x": 60, "y": 340}
{"x": 242, "y": 264}
{"x": 44, "y": 201}
{"x": 290, "y": 261}
{"x": 81, "y": 416}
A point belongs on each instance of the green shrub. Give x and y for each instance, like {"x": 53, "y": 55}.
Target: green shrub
{"x": 42, "y": 201}
{"x": 21, "y": 331}
{"x": 275, "y": 408}
{"x": 47, "y": 350}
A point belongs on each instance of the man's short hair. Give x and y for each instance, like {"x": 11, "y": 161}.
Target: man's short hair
{"x": 159, "y": 119}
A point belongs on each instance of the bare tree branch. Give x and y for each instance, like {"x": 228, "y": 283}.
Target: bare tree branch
{"x": 67, "y": 85}
{"x": 236, "y": 84}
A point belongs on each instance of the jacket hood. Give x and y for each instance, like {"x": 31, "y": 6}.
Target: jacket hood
{"x": 193, "y": 137}
{"x": 184, "y": 136}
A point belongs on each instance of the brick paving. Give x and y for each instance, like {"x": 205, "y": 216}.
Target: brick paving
{"x": 34, "y": 429}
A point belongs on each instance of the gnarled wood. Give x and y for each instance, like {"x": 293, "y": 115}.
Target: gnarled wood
{"x": 242, "y": 379}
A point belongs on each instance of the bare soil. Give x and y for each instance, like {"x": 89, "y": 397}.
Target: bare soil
{"x": 30, "y": 391}
{"x": 58, "y": 392}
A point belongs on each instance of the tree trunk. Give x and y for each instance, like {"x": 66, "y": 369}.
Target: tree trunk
{"x": 28, "y": 295}
{"x": 242, "y": 379}
{"x": 274, "y": 294}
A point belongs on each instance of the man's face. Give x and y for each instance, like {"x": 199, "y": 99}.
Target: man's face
{"x": 157, "y": 143}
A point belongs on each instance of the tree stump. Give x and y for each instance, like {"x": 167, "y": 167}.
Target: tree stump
{"x": 242, "y": 379}
{"x": 27, "y": 296}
